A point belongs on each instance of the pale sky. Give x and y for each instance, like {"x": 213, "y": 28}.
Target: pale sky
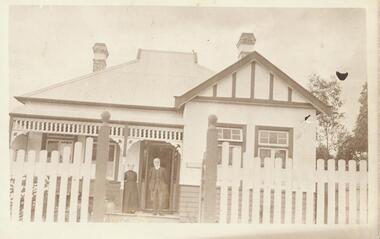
{"x": 52, "y": 44}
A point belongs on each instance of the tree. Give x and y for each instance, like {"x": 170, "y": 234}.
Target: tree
{"x": 355, "y": 145}
{"x": 346, "y": 148}
{"x": 322, "y": 152}
{"x": 330, "y": 127}
{"x": 361, "y": 126}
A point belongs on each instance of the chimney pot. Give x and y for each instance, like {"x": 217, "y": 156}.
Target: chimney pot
{"x": 245, "y": 44}
{"x": 100, "y": 56}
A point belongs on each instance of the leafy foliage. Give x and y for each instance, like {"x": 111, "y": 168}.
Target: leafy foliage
{"x": 330, "y": 127}
{"x": 355, "y": 145}
{"x": 361, "y": 127}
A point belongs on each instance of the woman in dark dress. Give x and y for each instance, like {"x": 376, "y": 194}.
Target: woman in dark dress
{"x": 130, "y": 197}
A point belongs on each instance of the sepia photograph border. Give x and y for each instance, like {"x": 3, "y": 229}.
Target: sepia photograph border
{"x": 124, "y": 230}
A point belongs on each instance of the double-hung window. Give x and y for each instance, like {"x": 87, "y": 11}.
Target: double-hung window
{"x": 234, "y": 135}
{"x": 276, "y": 142}
{"x": 56, "y": 142}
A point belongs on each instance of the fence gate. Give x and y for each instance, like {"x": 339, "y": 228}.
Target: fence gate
{"x": 51, "y": 187}
{"x": 269, "y": 194}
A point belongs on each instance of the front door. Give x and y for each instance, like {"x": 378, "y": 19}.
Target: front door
{"x": 169, "y": 159}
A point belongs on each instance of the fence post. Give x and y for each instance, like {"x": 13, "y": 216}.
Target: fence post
{"x": 101, "y": 168}
{"x": 209, "y": 207}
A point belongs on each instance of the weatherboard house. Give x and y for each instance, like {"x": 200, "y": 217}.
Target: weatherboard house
{"x": 164, "y": 100}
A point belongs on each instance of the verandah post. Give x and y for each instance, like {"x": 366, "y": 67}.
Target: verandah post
{"x": 101, "y": 168}
{"x": 210, "y": 171}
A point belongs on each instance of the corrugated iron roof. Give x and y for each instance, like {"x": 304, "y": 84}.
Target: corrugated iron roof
{"x": 153, "y": 79}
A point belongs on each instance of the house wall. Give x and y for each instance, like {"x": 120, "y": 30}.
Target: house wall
{"x": 296, "y": 97}
{"x": 225, "y": 87}
{"x": 195, "y": 129}
{"x": 261, "y": 87}
{"x": 262, "y": 79}
{"x": 189, "y": 203}
{"x": 243, "y": 82}
{"x": 207, "y": 92}
{"x": 280, "y": 89}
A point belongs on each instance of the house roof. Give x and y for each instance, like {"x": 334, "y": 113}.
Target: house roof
{"x": 254, "y": 56}
{"x": 151, "y": 80}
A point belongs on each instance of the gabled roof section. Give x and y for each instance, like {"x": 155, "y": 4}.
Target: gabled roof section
{"x": 151, "y": 80}
{"x": 254, "y": 56}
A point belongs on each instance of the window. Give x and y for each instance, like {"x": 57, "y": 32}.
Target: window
{"x": 53, "y": 142}
{"x": 230, "y": 134}
{"x": 276, "y": 142}
{"x": 273, "y": 138}
{"x": 234, "y": 136}
{"x": 112, "y": 154}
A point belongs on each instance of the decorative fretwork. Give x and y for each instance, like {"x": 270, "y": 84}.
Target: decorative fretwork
{"x": 92, "y": 128}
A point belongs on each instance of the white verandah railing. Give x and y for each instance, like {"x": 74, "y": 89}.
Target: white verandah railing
{"x": 92, "y": 128}
{"x": 272, "y": 195}
{"x": 51, "y": 190}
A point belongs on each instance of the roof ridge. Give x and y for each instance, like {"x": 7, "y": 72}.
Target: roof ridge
{"x": 76, "y": 79}
{"x": 168, "y": 51}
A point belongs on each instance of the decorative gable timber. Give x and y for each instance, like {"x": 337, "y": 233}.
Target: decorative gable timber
{"x": 260, "y": 71}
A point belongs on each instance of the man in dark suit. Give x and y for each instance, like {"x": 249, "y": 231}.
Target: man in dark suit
{"x": 158, "y": 186}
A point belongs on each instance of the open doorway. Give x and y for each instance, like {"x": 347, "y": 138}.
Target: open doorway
{"x": 170, "y": 160}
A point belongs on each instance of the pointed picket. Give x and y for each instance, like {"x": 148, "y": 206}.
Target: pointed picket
{"x": 331, "y": 192}
{"x": 352, "y": 192}
{"x": 268, "y": 183}
{"x": 236, "y": 165}
{"x": 363, "y": 192}
{"x": 223, "y": 185}
{"x": 277, "y": 191}
{"x": 28, "y": 195}
{"x": 310, "y": 207}
{"x": 52, "y": 187}
{"x": 41, "y": 174}
{"x": 256, "y": 190}
{"x": 342, "y": 212}
{"x": 75, "y": 173}
{"x": 17, "y": 186}
{"x": 246, "y": 185}
{"x": 298, "y": 203}
{"x": 64, "y": 173}
{"x": 321, "y": 179}
{"x": 288, "y": 192}
{"x": 86, "y": 173}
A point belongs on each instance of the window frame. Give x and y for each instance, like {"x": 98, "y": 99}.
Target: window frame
{"x": 289, "y": 145}
{"x": 273, "y": 144}
{"x": 272, "y": 150}
{"x": 233, "y": 142}
{"x": 60, "y": 138}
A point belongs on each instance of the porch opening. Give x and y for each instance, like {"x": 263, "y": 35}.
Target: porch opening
{"x": 142, "y": 154}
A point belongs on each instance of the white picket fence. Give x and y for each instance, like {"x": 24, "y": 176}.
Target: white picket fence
{"x": 272, "y": 195}
{"x": 34, "y": 192}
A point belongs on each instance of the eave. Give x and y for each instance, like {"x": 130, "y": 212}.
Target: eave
{"x": 24, "y": 99}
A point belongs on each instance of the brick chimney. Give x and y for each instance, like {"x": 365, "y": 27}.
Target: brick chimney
{"x": 100, "y": 57}
{"x": 245, "y": 44}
